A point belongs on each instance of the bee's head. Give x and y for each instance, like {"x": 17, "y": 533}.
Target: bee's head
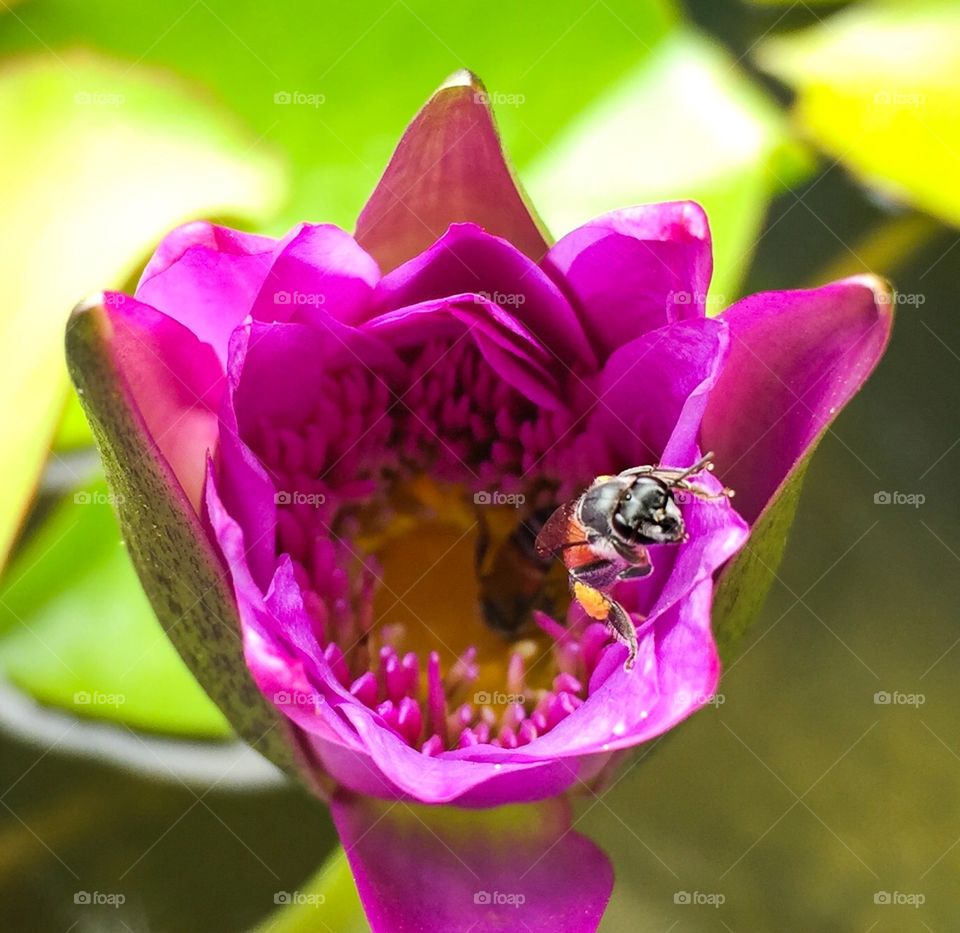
{"x": 647, "y": 513}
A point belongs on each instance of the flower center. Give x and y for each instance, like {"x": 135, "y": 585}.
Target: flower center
{"x": 406, "y": 622}
{"x": 410, "y": 522}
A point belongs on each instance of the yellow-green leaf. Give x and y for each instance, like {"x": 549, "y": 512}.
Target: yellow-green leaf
{"x": 99, "y": 160}
{"x": 878, "y": 87}
{"x": 686, "y": 124}
{"x": 77, "y": 631}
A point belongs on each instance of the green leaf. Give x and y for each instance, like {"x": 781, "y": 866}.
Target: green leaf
{"x": 878, "y": 86}
{"x": 77, "y": 631}
{"x": 98, "y": 162}
{"x": 73, "y": 432}
{"x": 182, "y": 576}
{"x": 335, "y": 87}
{"x": 646, "y": 141}
{"x": 745, "y": 582}
{"x": 793, "y": 3}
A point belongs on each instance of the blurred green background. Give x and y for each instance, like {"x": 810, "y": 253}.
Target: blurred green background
{"x": 824, "y": 139}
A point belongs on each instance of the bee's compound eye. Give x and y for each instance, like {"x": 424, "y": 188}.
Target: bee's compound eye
{"x": 655, "y": 498}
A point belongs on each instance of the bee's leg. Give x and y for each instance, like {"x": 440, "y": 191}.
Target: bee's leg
{"x": 619, "y": 620}
{"x": 601, "y": 607}
{"x": 637, "y": 570}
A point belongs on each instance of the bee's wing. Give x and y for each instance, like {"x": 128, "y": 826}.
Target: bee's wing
{"x": 560, "y": 530}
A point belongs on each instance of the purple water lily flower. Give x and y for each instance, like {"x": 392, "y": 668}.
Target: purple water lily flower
{"x": 366, "y": 428}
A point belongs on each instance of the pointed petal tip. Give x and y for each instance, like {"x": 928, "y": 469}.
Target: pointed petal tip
{"x": 464, "y": 77}
{"x": 448, "y": 167}
{"x": 89, "y": 303}
{"x": 86, "y": 309}
{"x": 883, "y": 289}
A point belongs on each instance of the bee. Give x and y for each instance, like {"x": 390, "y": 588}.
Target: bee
{"x": 602, "y": 536}
{"x": 515, "y": 581}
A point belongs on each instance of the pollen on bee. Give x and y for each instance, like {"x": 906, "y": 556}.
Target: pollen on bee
{"x": 596, "y": 605}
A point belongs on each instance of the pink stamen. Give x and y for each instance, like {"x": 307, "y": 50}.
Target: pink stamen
{"x": 339, "y": 468}
{"x": 365, "y": 689}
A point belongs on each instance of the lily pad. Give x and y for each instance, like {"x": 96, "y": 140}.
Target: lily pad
{"x": 313, "y": 83}
{"x": 646, "y": 140}
{"x": 99, "y": 161}
{"x": 78, "y": 632}
{"x": 878, "y": 87}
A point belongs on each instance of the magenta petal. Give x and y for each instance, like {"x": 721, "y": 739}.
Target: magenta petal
{"x": 121, "y": 356}
{"x": 634, "y": 270}
{"x": 510, "y": 350}
{"x": 468, "y": 260}
{"x": 653, "y": 393}
{"x": 276, "y": 376}
{"x": 448, "y": 167}
{"x": 432, "y": 868}
{"x": 319, "y": 271}
{"x": 796, "y": 358}
{"x": 206, "y": 277}
{"x": 676, "y": 673}
{"x": 175, "y": 381}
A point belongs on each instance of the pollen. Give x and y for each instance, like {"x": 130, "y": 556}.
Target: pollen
{"x": 595, "y": 604}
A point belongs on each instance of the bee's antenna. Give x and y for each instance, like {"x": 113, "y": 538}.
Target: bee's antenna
{"x": 704, "y": 463}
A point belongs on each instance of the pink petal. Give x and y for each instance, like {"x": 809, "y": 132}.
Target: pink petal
{"x": 174, "y": 381}
{"x": 318, "y": 271}
{"x": 206, "y": 277}
{"x": 131, "y": 367}
{"x": 796, "y": 358}
{"x": 433, "y": 868}
{"x": 468, "y": 260}
{"x": 634, "y": 270}
{"x": 448, "y": 167}
{"x": 653, "y": 392}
